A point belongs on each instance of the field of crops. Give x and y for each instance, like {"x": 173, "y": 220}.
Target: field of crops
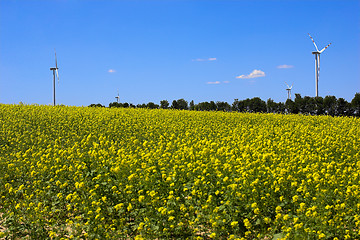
{"x": 100, "y": 173}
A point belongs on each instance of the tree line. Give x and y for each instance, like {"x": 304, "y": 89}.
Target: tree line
{"x": 329, "y": 105}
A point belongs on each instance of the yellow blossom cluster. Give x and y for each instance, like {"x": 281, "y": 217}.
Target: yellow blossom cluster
{"x": 100, "y": 173}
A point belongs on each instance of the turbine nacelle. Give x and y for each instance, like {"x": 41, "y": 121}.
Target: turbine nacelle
{"x": 289, "y": 88}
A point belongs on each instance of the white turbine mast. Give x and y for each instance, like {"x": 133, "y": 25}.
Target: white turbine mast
{"x": 317, "y": 65}
{"x": 117, "y": 97}
{"x": 289, "y": 90}
{"x": 55, "y": 71}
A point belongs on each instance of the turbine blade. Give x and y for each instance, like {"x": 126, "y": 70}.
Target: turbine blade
{"x": 325, "y": 48}
{"x": 55, "y": 59}
{"x": 313, "y": 42}
{"x": 287, "y": 85}
{"x": 57, "y": 74}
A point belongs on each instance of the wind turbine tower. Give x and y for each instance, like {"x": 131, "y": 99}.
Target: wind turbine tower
{"x": 55, "y": 69}
{"x": 117, "y": 97}
{"x": 317, "y": 65}
{"x": 289, "y": 90}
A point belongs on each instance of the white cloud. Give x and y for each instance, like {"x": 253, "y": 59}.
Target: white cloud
{"x": 204, "y": 59}
{"x": 285, "y": 66}
{"x": 253, "y": 74}
{"x": 111, "y": 70}
{"x": 217, "y": 82}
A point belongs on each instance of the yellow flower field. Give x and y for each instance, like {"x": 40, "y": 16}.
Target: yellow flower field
{"x": 100, "y": 173}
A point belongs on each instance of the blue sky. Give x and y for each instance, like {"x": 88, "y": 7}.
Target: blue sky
{"x": 199, "y": 50}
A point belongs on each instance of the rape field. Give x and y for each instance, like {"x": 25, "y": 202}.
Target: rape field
{"x": 100, "y": 173}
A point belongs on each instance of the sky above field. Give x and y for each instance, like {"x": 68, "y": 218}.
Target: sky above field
{"x": 200, "y": 50}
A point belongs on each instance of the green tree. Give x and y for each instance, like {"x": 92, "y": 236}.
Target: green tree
{"x": 115, "y": 104}
{"x": 234, "y": 106}
{"x": 174, "y": 105}
{"x": 223, "y": 106}
{"x": 299, "y": 103}
{"x": 271, "y": 106}
{"x": 96, "y": 105}
{"x": 319, "y": 106}
{"x": 164, "y": 104}
{"x": 182, "y": 104}
{"x": 341, "y": 107}
{"x": 152, "y": 105}
{"x": 309, "y": 105}
{"x": 192, "y": 105}
{"x": 257, "y": 105}
{"x": 349, "y": 110}
{"x": 330, "y": 105}
{"x": 203, "y": 106}
{"x": 242, "y": 105}
{"x": 291, "y": 107}
{"x": 280, "y": 107}
{"x": 213, "y": 106}
{"x": 143, "y": 105}
{"x": 355, "y": 103}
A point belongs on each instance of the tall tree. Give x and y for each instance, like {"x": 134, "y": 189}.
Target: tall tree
{"x": 355, "y": 103}
{"x": 257, "y": 105}
{"x": 174, "y": 105}
{"x": 203, "y": 106}
{"x": 291, "y": 107}
{"x": 281, "y": 107}
{"x": 164, "y": 104}
{"x": 223, "y": 106}
{"x": 319, "y": 106}
{"x": 299, "y": 103}
{"x": 152, "y": 105}
{"x": 242, "y": 105}
{"x": 271, "y": 106}
{"x": 330, "y": 105}
{"x": 341, "y": 107}
{"x": 182, "y": 104}
{"x": 309, "y": 105}
{"x": 213, "y": 106}
{"x": 143, "y": 105}
{"x": 234, "y": 106}
{"x": 192, "y": 105}
{"x": 115, "y": 104}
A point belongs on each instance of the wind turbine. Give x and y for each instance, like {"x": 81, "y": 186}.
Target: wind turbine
{"x": 289, "y": 90}
{"x": 317, "y": 65}
{"x": 55, "y": 69}
{"x": 117, "y": 97}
